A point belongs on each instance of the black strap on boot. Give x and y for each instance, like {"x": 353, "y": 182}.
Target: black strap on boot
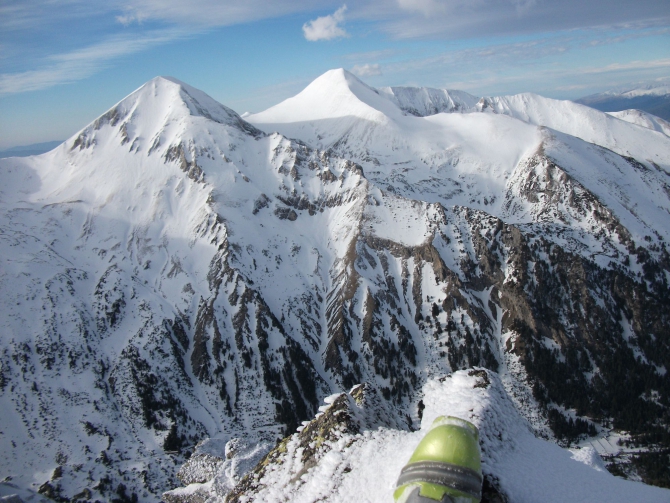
{"x": 456, "y": 477}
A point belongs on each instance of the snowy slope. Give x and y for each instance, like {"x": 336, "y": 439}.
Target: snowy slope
{"x": 423, "y": 101}
{"x": 643, "y": 119}
{"x": 582, "y": 122}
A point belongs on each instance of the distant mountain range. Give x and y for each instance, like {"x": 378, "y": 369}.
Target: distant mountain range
{"x": 27, "y": 150}
{"x": 651, "y": 98}
{"x": 174, "y": 273}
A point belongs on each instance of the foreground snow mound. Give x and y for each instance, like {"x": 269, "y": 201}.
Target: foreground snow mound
{"x": 339, "y": 458}
{"x": 216, "y": 468}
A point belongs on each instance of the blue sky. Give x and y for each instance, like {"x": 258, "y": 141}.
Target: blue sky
{"x": 64, "y": 62}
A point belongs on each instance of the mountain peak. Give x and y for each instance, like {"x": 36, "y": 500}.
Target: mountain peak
{"x": 160, "y": 104}
{"x": 335, "y": 94}
{"x": 167, "y": 89}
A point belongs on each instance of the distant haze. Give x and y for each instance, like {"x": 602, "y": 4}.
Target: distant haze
{"x": 26, "y": 150}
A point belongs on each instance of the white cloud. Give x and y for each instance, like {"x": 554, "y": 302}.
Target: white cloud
{"x": 326, "y": 27}
{"x": 367, "y": 70}
{"x": 211, "y": 12}
{"x": 130, "y": 17}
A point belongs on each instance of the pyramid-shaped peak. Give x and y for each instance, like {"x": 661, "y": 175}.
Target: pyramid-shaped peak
{"x": 166, "y": 91}
{"x": 339, "y": 76}
{"x": 160, "y": 104}
{"x": 336, "y": 93}
{"x": 163, "y": 100}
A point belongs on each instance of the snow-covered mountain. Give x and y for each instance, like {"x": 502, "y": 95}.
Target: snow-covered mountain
{"x": 653, "y": 98}
{"x": 643, "y": 119}
{"x": 174, "y": 272}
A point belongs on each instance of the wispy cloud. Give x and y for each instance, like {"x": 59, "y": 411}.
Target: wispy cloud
{"x": 23, "y": 15}
{"x": 326, "y": 27}
{"x": 562, "y": 81}
{"x": 130, "y": 17}
{"x": 474, "y": 18}
{"x": 497, "y": 55}
{"x": 215, "y": 12}
{"x": 367, "y": 70}
{"x": 607, "y": 38}
{"x": 82, "y": 63}
{"x": 22, "y": 21}
{"x": 425, "y": 7}
{"x": 631, "y": 65}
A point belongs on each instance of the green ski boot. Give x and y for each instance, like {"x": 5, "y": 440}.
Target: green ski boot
{"x": 446, "y": 466}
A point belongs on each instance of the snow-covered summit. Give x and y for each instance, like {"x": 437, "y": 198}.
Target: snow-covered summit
{"x": 657, "y": 88}
{"x": 162, "y": 104}
{"x": 168, "y": 93}
{"x": 483, "y": 145}
{"x": 335, "y": 94}
{"x": 339, "y": 93}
